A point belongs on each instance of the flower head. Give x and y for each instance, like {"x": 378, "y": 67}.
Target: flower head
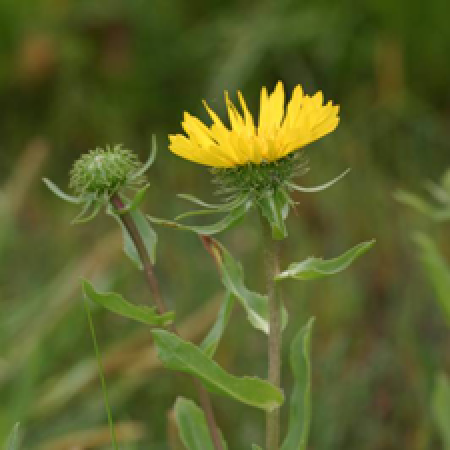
{"x": 104, "y": 171}
{"x": 280, "y": 131}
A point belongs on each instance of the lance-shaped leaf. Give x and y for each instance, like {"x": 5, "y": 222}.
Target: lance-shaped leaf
{"x": 207, "y": 230}
{"x": 147, "y": 233}
{"x": 192, "y": 426}
{"x": 437, "y": 270}
{"x": 13, "y": 439}
{"x": 440, "y": 405}
{"x": 137, "y": 200}
{"x": 117, "y": 304}
{"x": 438, "y": 214}
{"x": 177, "y": 354}
{"x": 274, "y": 206}
{"x": 61, "y": 194}
{"x": 211, "y": 341}
{"x": 151, "y": 159}
{"x": 300, "y": 404}
{"x": 209, "y": 208}
{"x": 320, "y": 188}
{"x": 256, "y": 305}
{"x": 313, "y": 268}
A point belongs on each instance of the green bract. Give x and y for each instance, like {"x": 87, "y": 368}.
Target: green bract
{"x": 266, "y": 186}
{"x": 256, "y": 179}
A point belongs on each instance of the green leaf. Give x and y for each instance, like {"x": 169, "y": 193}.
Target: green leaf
{"x": 322, "y": 187}
{"x": 61, "y": 194}
{"x": 437, "y": 270}
{"x": 13, "y": 440}
{"x": 117, "y": 304}
{"x": 207, "y": 230}
{"x": 192, "y": 425}
{"x": 211, "y": 341}
{"x": 210, "y": 209}
{"x": 137, "y": 200}
{"x": 256, "y": 447}
{"x": 177, "y": 354}
{"x": 149, "y": 162}
{"x": 149, "y": 236}
{"x": 256, "y": 305}
{"x": 422, "y": 206}
{"x": 440, "y": 405}
{"x": 300, "y": 405}
{"x": 313, "y": 268}
{"x": 274, "y": 206}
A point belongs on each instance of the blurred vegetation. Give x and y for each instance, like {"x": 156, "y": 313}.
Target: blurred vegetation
{"x": 78, "y": 74}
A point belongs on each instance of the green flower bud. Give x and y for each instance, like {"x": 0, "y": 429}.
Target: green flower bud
{"x": 105, "y": 171}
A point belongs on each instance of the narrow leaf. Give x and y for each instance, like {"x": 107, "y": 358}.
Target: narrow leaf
{"x": 13, "y": 440}
{"x": 192, "y": 425}
{"x": 440, "y": 406}
{"x": 225, "y": 207}
{"x": 177, "y": 354}
{"x": 84, "y": 217}
{"x": 137, "y": 200}
{"x": 322, "y": 187}
{"x": 220, "y": 207}
{"x": 256, "y": 305}
{"x": 149, "y": 162}
{"x": 59, "y": 193}
{"x": 300, "y": 405}
{"x": 274, "y": 207}
{"x": 207, "y": 230}
{"x": 117, "y": 304}
{"x": 437, "y": 270}
{"x": 211, "y": 341}
{"x": 422, "y": 206}
{"x": 149, "y": 236}
{"x": 313, "y": 268}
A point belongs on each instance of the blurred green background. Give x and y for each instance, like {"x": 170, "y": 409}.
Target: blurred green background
{"x": 79, "y": 74}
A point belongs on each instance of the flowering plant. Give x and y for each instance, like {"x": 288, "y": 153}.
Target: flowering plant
{"x": 253, "y": 166}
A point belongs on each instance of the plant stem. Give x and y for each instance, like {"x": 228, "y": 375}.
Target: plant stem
{"x": 272, "y": 267}
{"x": 102, "y": 377}
{"x": 152, "y": 281}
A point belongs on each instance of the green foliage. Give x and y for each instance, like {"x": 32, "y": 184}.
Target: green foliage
{"x": 437, "y": 270}
{"x": 274, "y": 206}
{"x": 177, "y": 354}
{"x": 211, "y": 341}
{"x": 61, "y": 194}
{"x": 256, "y": 305}
{"x": 300, "y": 402}
{"x": 118, "y": 305}
{"x": 441, "y": 408}
{"x": 321, "y": 187}
{"x": 192, "y": 426}
{"x": 148, "y": 234}
{"x": 208, "y": 230}
{"x": 13, "y": 440}
{"x": 437, "y": 210}
{"x": 314, "y": 268}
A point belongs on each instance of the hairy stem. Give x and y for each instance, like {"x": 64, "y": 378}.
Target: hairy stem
{"x": 272, "y": 267}
{"x": 152, "y": 281}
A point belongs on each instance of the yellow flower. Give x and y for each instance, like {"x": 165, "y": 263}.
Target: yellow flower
{"x": 277, "y": 134}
